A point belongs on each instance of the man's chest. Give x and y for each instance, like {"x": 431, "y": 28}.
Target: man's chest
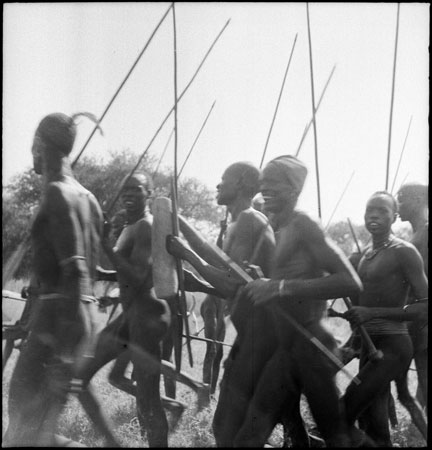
{"x": 382, "y": 268}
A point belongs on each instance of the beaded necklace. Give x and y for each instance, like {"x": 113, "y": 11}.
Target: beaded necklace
{"x": 371, "y": 253}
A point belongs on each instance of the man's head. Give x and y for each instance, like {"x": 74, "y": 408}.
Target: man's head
{"x": 412, "y": 198}
{"x": 54, "y": 136}
{"x": 240, "y": 179}
{"x": 380, "y": 214}
{"x": 282, "y": 181}
{"x": 136, "y": 189}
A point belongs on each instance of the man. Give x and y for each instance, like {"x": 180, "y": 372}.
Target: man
{"x": 413, "y": 199}
{"x": 145, "y": 319}
{"x": 248, "y": 238}
{"x": 66, "y": 237}
{"x": 274, "y": 362}
{"x": 388, "y": 269}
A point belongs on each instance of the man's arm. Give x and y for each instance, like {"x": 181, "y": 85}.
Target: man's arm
{"x": 342, "y": 280}
{"x": 136, "y": 269}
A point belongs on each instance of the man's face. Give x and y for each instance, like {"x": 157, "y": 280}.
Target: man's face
{"x": 407, "y": 204}
{"x": 37, "y": 149}
{"x": 379, "y": 215}
{"x": 277, "y": 192}
{"x": 134, "y": 195}
{"x": 228, "y": 188}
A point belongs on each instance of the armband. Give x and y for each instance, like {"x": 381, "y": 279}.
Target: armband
{"x": 281, "y": 288}
{"x": 88, "y": 299}
{"x": 66, "y": 261}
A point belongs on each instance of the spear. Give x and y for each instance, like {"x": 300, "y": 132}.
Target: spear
{"x": 309, "y": 124}
{"x": 163, "y": 153}
{"x": 121, "y": 85}
{"x": 116, "y": 197}
{"x": 340, "y": 199}
{"x": 278, "y": 101}
{"x": 313, "y": 112}
{"x": 16, "y": 258}
{"x": 196, "y": 140}
{"x": 181, "y": 295}
{"x": 405, "y": 178}
{"x": 354, "y": 235}
{"x": 401, "y": 154}
{"x": 392, "y": 97}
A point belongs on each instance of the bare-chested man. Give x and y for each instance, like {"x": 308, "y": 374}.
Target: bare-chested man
{"x": 145, "y": 319}
{"x": 413, "y": 199}
{"x": 274, "y": 363}
{"x": 66, "y": 238}
{"x": 388, "y": 269}
{"x": 249, "y": 237}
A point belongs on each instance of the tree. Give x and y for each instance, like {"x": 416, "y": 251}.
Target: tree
{"x": 103, "y": 179}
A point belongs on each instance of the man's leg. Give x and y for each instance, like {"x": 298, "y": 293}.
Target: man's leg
{"x": 248, "y": 357}
{"x": 27, "y": 394}
{"x": 316, "y": 374}
{"x": 111, "y": 343}
{"x": 220, "y": 336}
{"x": 209, "y": 315}
{"x": 276, "y": 395}
{"x": 375, "y": 419}
{"x": 421, "y": 362}
{"x": 149, "y": 322}
{"x": 404, "y": 396}
{"x": 419, "y": 336}
{"x": 376, "y": 377}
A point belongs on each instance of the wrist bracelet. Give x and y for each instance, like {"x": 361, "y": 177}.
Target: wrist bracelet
{"x": 281, "y": 288}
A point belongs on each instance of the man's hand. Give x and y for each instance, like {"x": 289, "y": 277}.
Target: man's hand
{"x": 358, "y": 315}
{"x": 262, "y": 290}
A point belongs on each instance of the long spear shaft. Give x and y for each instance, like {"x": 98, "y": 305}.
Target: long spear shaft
{"x": 313, "y": 113}
{"x": 175, "y": 103}
{"x": 181, "y": 296}
{"x": 278, "y": 101}
{"x": 309, "y": 124}
{"x": 392, "y": 98}
{"x": 163, "y": 153}
{"x": 354, "y": 235}
{"x": 401, "y": 154}
{"x": 121, "y": 85}
{"x": 340, "y": 199}
{"x": 196, "y": 140}
{"x": 116, "y": 197}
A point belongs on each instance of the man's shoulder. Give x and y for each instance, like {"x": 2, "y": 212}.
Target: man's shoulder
{"x": 253, "y": 216}
{"x": 304, "y": 221}
{"x": 398, "y": 243}
{"x": 144, "y": 224}
{"x": 403, "y": 247}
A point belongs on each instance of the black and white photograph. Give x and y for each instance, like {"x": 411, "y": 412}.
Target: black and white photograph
{"x": 215, "y": 224}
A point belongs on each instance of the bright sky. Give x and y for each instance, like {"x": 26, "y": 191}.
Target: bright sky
{"x": 72, "y": 57}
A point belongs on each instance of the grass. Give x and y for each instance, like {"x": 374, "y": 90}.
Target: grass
{"x": 194, "y": 428}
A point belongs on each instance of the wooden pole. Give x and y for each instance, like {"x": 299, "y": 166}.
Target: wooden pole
{"x": 392, "y": 98}
{"x": 313, "y": 113}
{"x": 278, "y": 101}
{"x": 340, "y": 199}
{"x": 400, "y": 157}
{"x": 196, "y": 140}
{"x": 309, "y": 124}
{"x": 181, "y": 295}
